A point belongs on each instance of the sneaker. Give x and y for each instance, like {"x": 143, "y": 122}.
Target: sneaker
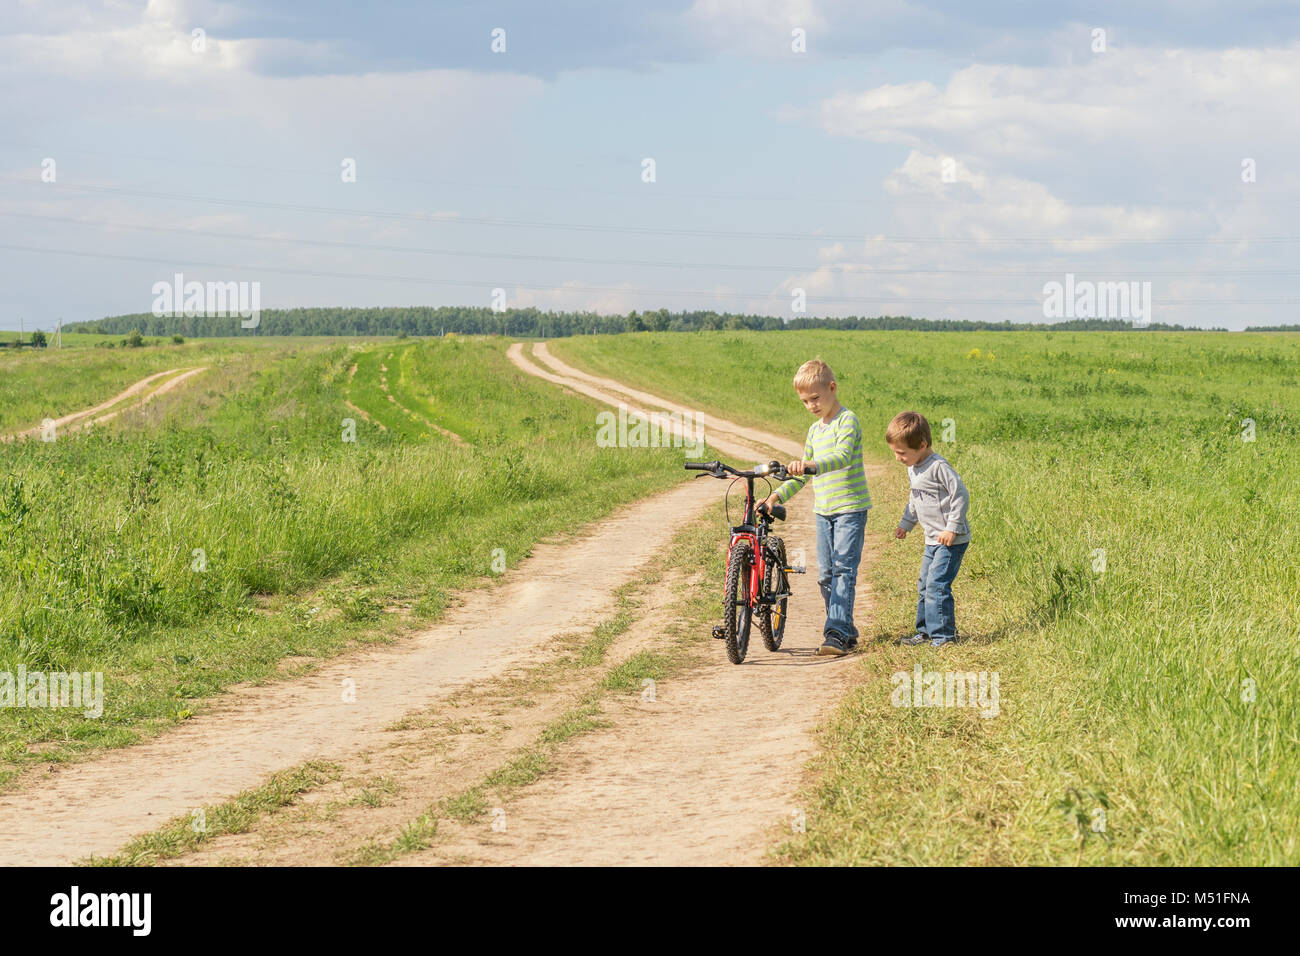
{"x": 851, "y": 643}
{"x": 834, "y": 646}
{"x": 940, "y": 641}
{"x": 914, "y": 640}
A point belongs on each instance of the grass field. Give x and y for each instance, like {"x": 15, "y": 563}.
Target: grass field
{"x": 201, "y": 541}
{"x": 1132, "y": 579}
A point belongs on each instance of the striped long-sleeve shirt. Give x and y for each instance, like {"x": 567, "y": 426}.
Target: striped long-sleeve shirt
{"x": 840, "y": 484}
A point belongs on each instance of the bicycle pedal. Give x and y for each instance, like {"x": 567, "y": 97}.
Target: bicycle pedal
{"x": 797, "y": 569}
{"x": 719, "y": 634}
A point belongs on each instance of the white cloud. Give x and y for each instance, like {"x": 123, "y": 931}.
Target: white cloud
{"x": 1148, "y": 102}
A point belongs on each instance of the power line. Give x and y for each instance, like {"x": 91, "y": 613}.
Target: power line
{"x": 645, "y": 230}
{"x": 658, "y": 193}
{"x": 849, "y": 268}
{"x": 605, "y": 290}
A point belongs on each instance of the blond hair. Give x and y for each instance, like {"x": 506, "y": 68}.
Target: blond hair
{"x": 813, "y": 372}
{"x": 910, "y": 429}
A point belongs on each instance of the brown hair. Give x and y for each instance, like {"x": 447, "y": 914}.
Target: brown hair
{"x": 910, "y": 429}
{"x": 813, "y": 372}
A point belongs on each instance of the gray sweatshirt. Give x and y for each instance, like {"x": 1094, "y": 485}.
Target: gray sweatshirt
{"x": 939, "y": 500}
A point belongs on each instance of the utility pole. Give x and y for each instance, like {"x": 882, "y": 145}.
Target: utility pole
{"x": 58, "y": 333}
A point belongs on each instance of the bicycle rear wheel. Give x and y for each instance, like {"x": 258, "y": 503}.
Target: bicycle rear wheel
{"x": 771, "y": 621}
{"x": 736, "y": 616}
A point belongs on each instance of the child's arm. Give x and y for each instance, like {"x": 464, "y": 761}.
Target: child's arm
{"x": 908, "y": 521}
{"x": 791, "y": 486}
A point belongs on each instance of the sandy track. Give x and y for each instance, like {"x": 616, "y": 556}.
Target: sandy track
{"x": 162, "y": 389}
{"x": 703, "y": 775}
{"x": 726, "y": 437}
{"x": 85, "y": 419}
{"x": 712, "y": 423}
{"x": 78, "y": 417}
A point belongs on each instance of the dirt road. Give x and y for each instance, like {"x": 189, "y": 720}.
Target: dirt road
{"x": 705, "y": 773}
{"x": 87, "y": 417}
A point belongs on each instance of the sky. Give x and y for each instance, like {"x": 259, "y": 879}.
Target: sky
{"x": 934, "y": 159}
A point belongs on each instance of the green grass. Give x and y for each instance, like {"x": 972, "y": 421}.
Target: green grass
{"x": 426, "y": 383}
{"x": 305, "y": 538}
{"x": 188, "y": 833}
{"x": 1126, "y": 690}
{"x": 416, "y": 835}
{"x": 578, "y": 720}
{"x": 366, "y": 391}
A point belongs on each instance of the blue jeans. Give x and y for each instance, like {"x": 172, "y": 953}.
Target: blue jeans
{"x": 935, "y": 614}
{"x": 839, "y": 550}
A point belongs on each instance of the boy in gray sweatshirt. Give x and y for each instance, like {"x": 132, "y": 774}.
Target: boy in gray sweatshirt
{"x": 938, "y": 503}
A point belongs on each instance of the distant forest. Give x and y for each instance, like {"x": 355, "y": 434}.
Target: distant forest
{"x": 416, "y": 320}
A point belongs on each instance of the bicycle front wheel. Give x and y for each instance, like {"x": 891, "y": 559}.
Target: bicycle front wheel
{"x": 771, "y": 621}
{"x": 736, "y": 612}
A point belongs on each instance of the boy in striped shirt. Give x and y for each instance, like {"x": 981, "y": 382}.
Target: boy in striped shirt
{"x": 832, "y": 454}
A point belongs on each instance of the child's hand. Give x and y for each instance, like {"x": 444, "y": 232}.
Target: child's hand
{"x": 946, "y": 538}
{"x": 770, "y": 501}
{"x": 900, "y": 534}
{"x": 795, "y": 467}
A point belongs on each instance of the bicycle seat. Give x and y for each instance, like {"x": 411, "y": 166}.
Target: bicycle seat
{"x": 777, "y": 512}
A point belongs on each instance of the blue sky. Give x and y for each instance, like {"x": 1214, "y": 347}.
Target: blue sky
{"x": 776, "y": 170}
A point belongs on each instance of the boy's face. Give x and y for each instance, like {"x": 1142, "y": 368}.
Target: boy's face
{"x": 910, "y": 456}
{"x": 818, "y": 399}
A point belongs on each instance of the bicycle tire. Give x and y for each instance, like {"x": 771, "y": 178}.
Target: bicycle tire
{"x": 772, "y": 620}
{"x": 736, "y": 617}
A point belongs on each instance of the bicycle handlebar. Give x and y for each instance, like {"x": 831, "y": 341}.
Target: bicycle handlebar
{"x": 773, "y": 469}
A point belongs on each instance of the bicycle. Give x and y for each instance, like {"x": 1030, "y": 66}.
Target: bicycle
{"x": 756, "y": 581}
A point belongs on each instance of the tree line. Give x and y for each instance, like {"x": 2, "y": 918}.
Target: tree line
{"x": 531, "y": 322}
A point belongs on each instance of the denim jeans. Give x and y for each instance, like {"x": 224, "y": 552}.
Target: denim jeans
{"x": 935, "y": 614}
{"x": 839, "y": 550}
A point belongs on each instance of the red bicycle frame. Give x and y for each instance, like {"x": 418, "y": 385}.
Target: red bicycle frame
{"x": 758, "y": 567}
